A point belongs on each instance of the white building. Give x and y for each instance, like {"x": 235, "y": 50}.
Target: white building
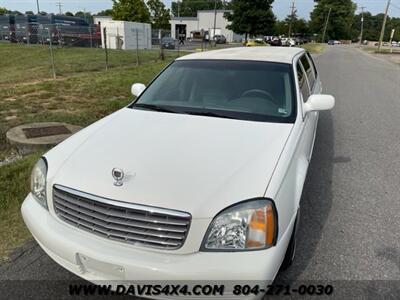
{"x": 97, "y": 20}
{"x": 204, "y": 22}
{"x": 126, "y": 35}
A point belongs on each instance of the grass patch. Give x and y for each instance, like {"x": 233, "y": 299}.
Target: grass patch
{"x": 25, "y": 63}
{"x": 14, "y": 186}
{"x": 314, "y": 48}
{"x": 83, "y": 93}
{"x": 382, "y": 51}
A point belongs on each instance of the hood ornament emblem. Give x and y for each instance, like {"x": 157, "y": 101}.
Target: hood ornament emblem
{"x": 118, "y": 175}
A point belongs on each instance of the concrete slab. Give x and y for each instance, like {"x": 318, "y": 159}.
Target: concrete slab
{"x": 25, "y": 143}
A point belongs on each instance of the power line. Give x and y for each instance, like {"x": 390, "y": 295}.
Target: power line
{"x": 59, "y": 7}
{"x": 291, "y": 18}
{"x": 394, "y": 5}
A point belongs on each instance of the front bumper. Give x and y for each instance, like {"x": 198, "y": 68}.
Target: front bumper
{"x": 96, "y": 259}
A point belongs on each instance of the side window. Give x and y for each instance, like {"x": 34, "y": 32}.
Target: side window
{"x": 307, "y": 68}
{"x": 305, "y": 90}
{"x": 312, "y": 65}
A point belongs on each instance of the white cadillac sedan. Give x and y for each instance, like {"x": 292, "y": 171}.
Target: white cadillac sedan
{"x": 200, "y": 178}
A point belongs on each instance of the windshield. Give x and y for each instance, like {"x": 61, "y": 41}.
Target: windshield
{"x": 247, "y": 90}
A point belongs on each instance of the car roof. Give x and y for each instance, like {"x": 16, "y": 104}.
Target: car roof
{"x": 269, "y": 54}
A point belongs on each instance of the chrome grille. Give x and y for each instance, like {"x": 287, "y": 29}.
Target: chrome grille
{"x": 129, "y": 223}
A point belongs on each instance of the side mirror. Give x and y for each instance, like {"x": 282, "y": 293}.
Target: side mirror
{"x": 137, "y": 89}
{"x": 319, "y": 102}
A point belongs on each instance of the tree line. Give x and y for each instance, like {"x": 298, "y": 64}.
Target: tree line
{"x": 255, "y": 17}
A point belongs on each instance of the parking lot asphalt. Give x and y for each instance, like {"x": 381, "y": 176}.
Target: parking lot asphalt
{"x": 196, "y": 45}
{"x": 349, "y": 233}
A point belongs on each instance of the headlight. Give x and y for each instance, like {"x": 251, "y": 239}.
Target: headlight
{"x": 38, "y": 182}
{"x": 251, "y": 225}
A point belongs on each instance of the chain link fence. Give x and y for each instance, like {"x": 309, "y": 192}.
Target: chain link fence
{"x": 74, "y": 48}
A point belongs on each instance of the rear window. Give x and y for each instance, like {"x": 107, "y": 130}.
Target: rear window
{"x": 309, "y": 72}
{"x": 302, "y": 78}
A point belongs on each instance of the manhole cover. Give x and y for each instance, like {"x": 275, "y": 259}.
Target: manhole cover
{"x": 29, "y": 137}
{"x": 31, "y": 133}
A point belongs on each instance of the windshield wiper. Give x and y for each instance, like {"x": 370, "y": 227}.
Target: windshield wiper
{"x": 208, "y": 114}
{"x": 153, "y": 107}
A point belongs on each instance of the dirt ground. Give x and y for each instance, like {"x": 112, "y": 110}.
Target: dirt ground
{"x": 395, "y": 57}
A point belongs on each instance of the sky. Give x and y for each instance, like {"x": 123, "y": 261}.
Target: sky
{"x": 280, "y": 7}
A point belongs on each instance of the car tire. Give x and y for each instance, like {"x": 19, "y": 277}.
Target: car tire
{"x": 291, "y": 249}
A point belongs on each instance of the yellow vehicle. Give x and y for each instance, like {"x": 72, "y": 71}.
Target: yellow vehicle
{"x": 255, "y": 43}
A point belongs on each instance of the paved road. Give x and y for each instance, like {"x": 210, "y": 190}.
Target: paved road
{"x": 350, "y": 225}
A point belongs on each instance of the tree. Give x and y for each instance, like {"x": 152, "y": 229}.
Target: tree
{"x": 130, "y": 10}
{"x": 340, "y": 21}
{"x": 107, "y": 12}
{"x": 299, "y": 26}
{"x": 189, "y": 8}
{"x": 69, "y": 14}
{"x": 393, "y": 23}
{"x": 3, "y": 11}
{"x": 159, "y": 13}
{"x": 373, "y": 25}
{"x": 15, "y": 13}
{"x": 281, "y": 27}
{"x": 251, "y": 17}
{"x": 84, "y": 15}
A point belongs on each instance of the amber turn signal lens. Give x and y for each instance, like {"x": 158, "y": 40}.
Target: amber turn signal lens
{"x": 261, "y": 230}
{"x": 270, "y": 225}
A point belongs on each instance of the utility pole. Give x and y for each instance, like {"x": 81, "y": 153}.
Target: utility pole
{"x": 362, "y": 24}
{"x": 391, "y": 39}
{"x": 59, "y": 7}
{"x": 383, "y": 26}
{"x": 37, "y": 4}
{"x": 291, "y": 19}
{"x": 215, "y": 21}
{"x": 326, "y": 25}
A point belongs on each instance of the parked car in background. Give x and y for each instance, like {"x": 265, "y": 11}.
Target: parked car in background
{"x": 208, "y": 189}
{"x": 331, "y": 42}
{"x": 288, "y": 42}
{"x": 255, "y": 43}
{"x": 276, "y": 42}
{"x": 220, "y": 39}
{"x": 298, "y": 41}
{"x": 168, "y": 43}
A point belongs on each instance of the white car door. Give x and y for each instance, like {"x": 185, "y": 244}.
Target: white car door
{"x": 309, "y": 85}
{"x": 317, "y": 89}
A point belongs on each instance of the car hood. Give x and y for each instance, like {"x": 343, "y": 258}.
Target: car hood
{"x": 189, "y": 163}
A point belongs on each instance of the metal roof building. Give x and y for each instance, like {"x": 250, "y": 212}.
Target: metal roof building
{"x": 186, "y": 27}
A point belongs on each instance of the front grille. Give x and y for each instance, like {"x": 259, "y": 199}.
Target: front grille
{"x": 120, "y": 221}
